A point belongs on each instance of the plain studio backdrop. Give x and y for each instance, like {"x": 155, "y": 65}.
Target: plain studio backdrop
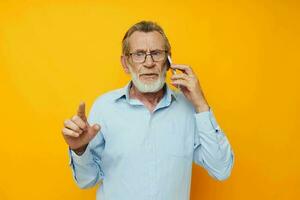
{"x": 53, "y": 54}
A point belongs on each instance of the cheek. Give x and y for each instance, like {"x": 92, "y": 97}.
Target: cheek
{"x": 137, "y": 69}
{"x": 131, "y": 67}
{"x": 163, "y": 68}
{"x": 160, "y": 68}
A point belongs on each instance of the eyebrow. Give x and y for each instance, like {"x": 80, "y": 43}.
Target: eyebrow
{"x": 146, "y": 50}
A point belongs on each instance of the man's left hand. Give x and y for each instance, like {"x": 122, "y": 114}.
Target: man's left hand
{"x": 190, "y": 87}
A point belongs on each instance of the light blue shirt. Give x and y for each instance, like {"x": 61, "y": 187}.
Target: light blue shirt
{"x": 139, "y": 155}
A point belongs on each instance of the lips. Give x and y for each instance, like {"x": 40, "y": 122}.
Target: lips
{"x": 149, "y": 74}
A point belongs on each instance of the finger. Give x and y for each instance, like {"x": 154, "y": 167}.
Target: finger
{"x": 184, "y": 68}
{"x": 81, "y": 111}
{"x": 71, "y": 125}
{"x": 79, "y": 122}
{"x": 68, "y": 132}
{"x": 180, "y": 76}
{"x": 94, "y": 129}
{"x": 181, "y": 82}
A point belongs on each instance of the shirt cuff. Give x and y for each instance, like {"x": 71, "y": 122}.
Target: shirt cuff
{"x": 206, "y": 122}
{"x": 83, "y": 159}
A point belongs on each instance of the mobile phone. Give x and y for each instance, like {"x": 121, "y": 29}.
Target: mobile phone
{"x": 169, "y": 63}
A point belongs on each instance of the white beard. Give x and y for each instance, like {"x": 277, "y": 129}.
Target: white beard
{"x": 155, "y": 86}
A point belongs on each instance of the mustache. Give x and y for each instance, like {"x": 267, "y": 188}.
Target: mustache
{"x": 148, "y": 73}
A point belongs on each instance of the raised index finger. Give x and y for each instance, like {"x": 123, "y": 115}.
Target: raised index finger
{"x": 81, "y": 111}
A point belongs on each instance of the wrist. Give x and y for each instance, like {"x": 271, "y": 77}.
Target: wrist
{"x": 202, "y": 108}
{"x": 79, "y": 151}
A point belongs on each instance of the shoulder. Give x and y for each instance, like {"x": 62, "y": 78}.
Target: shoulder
{"x": 108, "y": 98}
{"x": 103, "y": 105}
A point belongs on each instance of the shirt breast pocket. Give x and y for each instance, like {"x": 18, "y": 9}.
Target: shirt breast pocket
{"x": 121, "y": 140}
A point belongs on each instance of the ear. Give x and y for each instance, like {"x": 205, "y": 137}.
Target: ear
{"x": 124, "y": 64}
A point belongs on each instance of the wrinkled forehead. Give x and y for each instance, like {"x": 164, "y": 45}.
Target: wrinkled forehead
{"x": 146, "y": 41}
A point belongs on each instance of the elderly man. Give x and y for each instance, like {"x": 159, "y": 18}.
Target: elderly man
{"x": 140, "y": 141}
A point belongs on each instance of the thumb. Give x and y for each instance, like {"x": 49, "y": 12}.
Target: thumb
{"x": 95, "y": 128}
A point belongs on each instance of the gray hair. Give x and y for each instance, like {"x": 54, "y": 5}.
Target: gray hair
{"x": 144, "y": 26}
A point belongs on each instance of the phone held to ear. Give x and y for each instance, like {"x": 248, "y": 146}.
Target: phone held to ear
{"x": 173, "y": 70}
{"x": 170, "y": 63}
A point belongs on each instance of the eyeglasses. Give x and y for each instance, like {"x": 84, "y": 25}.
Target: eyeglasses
{"x": 140, "y": 56}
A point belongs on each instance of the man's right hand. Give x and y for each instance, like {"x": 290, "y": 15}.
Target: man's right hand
{"x": 77, "y": 132}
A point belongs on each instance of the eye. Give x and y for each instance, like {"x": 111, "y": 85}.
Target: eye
{"x": 140, "y": 53}
{"x": 155, "y": 53}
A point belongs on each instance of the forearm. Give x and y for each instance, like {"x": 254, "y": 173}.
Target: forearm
{"x": 86, "y": 171}
{"x": 212, "y": 148}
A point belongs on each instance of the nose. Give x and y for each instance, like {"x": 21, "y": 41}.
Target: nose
{"x": 149, "y": 61}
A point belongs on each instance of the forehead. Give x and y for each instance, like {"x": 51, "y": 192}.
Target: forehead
{"x": 141, "y": 40}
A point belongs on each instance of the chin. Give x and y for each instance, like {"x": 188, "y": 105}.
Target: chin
{"x": 153, "y": 86}
{"x": 146, "y": 82}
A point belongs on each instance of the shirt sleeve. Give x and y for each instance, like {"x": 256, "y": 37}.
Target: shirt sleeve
{"x": 86, "y": 168}
{"x": 211, "y": 148}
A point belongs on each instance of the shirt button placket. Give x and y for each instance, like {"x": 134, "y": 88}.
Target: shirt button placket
{"x": 151, "y": 151}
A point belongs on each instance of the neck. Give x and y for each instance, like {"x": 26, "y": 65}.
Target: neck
{"x": 151, "y": 98}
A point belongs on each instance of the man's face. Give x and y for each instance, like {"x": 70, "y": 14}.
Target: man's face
{"x": 148, "y": 76}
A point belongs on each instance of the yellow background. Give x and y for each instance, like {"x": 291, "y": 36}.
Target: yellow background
{"x": 53, "y": 54}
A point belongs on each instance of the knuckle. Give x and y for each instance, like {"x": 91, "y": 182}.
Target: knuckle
{"x": 74, "y": 118}
{"x": 71, "y": 133}
{"x": 64, "y": 131}
{"x": 66, "y": 122}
